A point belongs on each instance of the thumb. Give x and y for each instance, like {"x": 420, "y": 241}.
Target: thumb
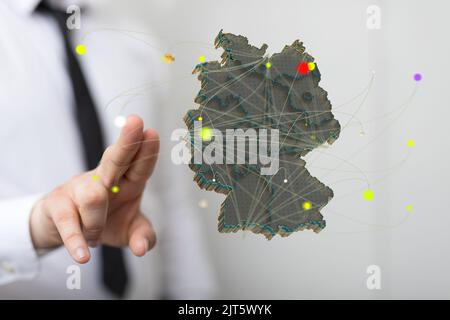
{"x": 141, "y": 235}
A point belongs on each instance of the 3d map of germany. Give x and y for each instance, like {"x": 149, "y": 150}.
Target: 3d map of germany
{"x": 258, "y": 115}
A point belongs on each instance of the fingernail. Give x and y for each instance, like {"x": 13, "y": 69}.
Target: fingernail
{"x": 146, "y": 243}
{"x": 81, "y": 253}
{"x": 92, "y": 243}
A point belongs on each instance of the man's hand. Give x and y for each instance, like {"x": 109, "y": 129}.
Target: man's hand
{"x": 103, "y": 205}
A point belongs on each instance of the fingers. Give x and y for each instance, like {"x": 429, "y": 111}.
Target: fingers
{"x": 117, "y": 158}
{"x": 67, "y": 222}
{"x": 91, "y": 199}
{"x": 142, "y": 237}
{"x": 80, "y": 211}
{"x": 145, "y": 160}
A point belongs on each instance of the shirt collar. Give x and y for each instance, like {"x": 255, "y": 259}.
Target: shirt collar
{"x": 24, "y": 7}
{"x": 27, "y": 7}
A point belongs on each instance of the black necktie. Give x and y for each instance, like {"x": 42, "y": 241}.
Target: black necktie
{"x": 113, "y": 269}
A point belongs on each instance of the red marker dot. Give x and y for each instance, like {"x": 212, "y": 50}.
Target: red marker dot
{"x": 302, "y": 68}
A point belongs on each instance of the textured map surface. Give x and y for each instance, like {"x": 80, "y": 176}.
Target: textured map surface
{"x": 249, "y": 89}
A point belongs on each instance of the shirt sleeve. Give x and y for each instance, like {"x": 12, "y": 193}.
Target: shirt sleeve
{"x": 18, "y": 258}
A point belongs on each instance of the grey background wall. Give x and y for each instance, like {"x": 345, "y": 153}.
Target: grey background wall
{"x": 411, "y": 248}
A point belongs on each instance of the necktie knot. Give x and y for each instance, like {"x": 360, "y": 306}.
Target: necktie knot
{"x": 46, "y": 8}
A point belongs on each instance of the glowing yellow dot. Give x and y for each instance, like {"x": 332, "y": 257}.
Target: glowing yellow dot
{"x": 168, "y": 58}
{"x": 409, "y": 207}
{"x": 80, "y": 49}
{"x": 201, "y": 59}
{"x": 306, "y": 205}
{"x": 94, "y": 177}
{"x": 200, "y": 118}
{"x": 411, "y": 143}
{"x": 206, "y": 134}
{"x": 115, "y": 189}
{"x": 368, "y": 195}
{"x": 311, "y": 66}
{"x": 268, "y": 65}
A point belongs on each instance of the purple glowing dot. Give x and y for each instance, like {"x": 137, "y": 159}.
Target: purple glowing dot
{"x": 417, "y": 77}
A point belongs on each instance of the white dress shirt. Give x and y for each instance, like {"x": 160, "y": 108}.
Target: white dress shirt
{"x": 41, "y": 148}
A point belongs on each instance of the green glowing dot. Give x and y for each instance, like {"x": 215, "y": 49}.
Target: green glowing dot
{"x": 409, "y": 207}
{"x": 206, "y": 134}
{"x": 115, "y": 189}
{"x": 200, "y": 118}
{"x": 368, "y": 195}
{"x": 80, "y": 49}
{"x": 94, "y": 177}
{"x": 268, "y": 65}
{"x": 311, "y": 66}
{"x": 307, "y": 205}
{"x": 411, "y": 143}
